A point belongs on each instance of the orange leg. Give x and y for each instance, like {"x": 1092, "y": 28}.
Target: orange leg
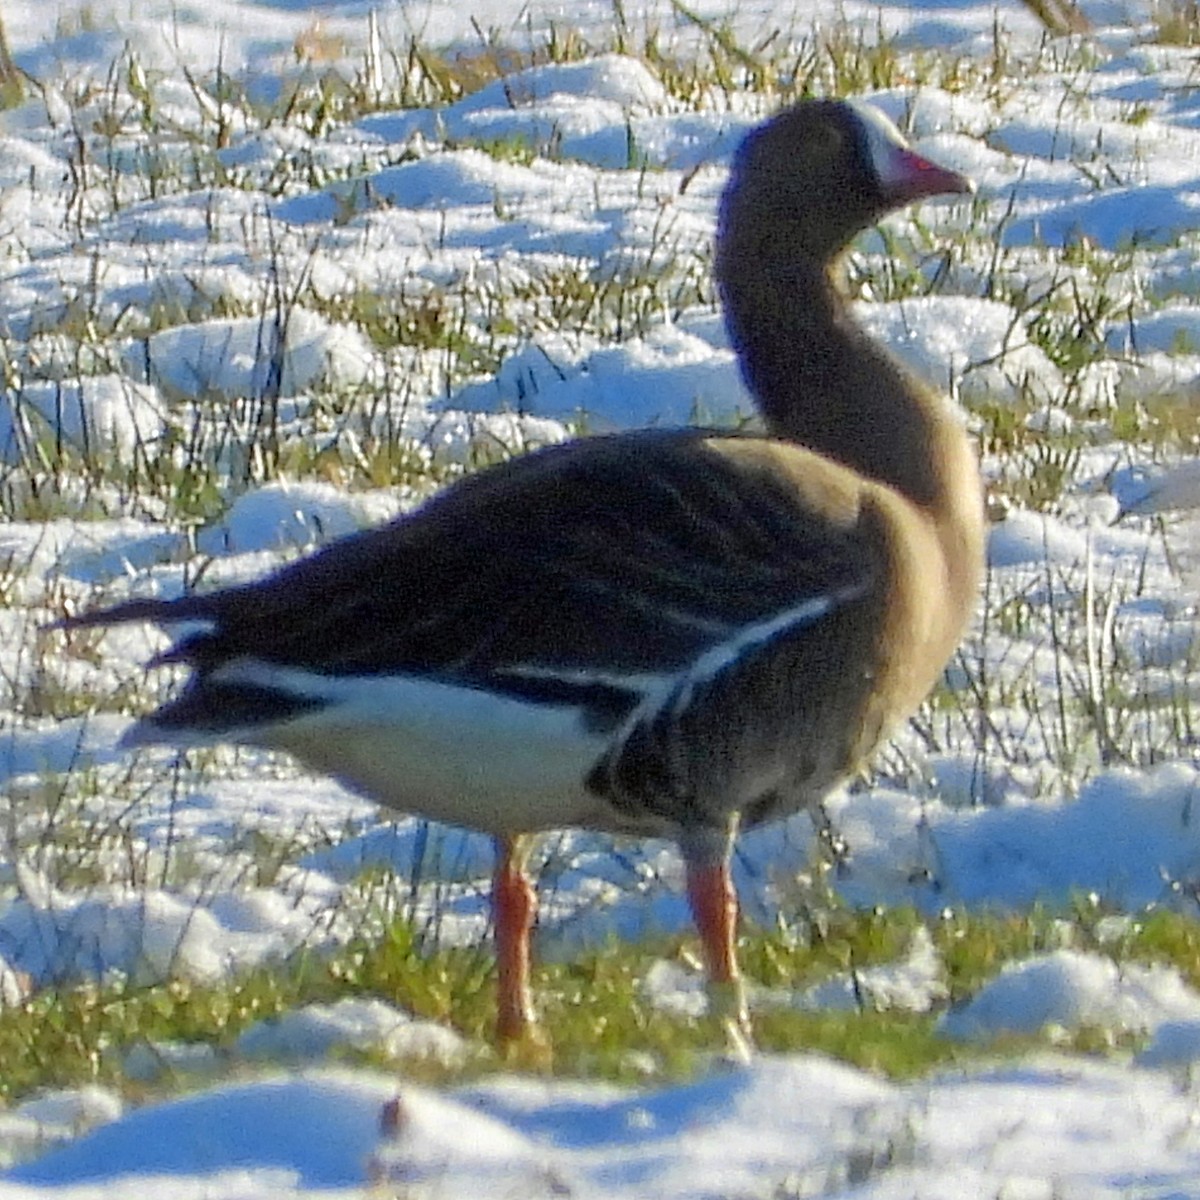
{"x": 715, "y": 911}
{"x": 514, "y": 906}
{"x": 714, "y": 908}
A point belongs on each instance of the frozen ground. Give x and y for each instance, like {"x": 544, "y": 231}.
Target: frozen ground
{"x": 210, "y": 298}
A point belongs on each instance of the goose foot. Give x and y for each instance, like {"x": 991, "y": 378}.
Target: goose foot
{"x": 530, "y": 1050}
{"x": 727, "y": 1004}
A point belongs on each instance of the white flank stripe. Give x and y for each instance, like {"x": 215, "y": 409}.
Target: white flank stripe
{"x": 457, "y": 754}
{"x": 639, "y": 682}
{"x": 467, "y": 755}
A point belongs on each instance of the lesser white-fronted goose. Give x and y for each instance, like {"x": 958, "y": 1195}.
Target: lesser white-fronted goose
{"x": 661, "y": 633}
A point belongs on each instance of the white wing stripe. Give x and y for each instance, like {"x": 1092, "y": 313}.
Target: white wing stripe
{"x": 723, "y": 655}
{"x": 679, "y": 693}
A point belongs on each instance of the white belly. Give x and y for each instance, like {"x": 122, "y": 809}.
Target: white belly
{"x": 455, "y": 754}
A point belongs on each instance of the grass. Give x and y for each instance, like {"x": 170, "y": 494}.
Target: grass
{"x": 454, "y": 333}
{"x": 603, "y": 1024}
{"x": 140, "y": 136}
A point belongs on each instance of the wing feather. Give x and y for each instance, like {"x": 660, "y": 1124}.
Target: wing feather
{"x": 584, "y": 569}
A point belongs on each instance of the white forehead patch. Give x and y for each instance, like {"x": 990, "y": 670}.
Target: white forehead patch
{"x": 883, "y": 139}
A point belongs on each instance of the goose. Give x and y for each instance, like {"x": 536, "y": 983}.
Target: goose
{"x": 663, "y": 633}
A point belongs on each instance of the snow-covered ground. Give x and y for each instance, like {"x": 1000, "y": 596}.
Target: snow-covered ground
{"x": 136, "y": 317}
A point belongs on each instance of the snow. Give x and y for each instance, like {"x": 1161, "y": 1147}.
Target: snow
{"x": 313, "y": 1032}
{"x": 100, "y": 413}
{"x": 295, "y": 514}
{"x": 143, "y": 323}
{"x": 242, "y": 357}
{"x": 668, "y": 377}
{"x": 973, "y": 347}
{"x": 801, "y": 1126}
{"x": 1070, "y": 990}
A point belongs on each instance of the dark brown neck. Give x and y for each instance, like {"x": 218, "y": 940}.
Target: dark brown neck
{"x": 820, "y": 381}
